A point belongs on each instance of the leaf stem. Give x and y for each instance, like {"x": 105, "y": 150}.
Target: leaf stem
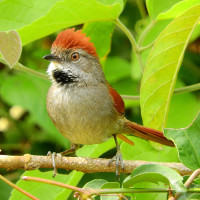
{"x": 22, "y": 68}
{"x": 17, "y": 188}
{"x": 18, "y": 66}
{"x": 132, "y": 41}
{"x": 189, "y": 88}
{"x": 145, "y": 32}
{"x": 185, "y": 89}
{"x": 131, "y": 190}
{"x": 146, "y": 47}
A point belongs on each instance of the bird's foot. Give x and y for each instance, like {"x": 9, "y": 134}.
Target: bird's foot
{"x": 53, "y": 155}
{"x": 118, "y": 162}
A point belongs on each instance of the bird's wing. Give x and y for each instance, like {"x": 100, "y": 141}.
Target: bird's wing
{"x": 117, "y": 100}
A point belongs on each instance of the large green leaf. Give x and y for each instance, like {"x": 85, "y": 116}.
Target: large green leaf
{"x": 159, "y": 6}
{"x": 155, "y": 173}
{"x": 22, "y": 13}
{"x": 177, "y": 9}
{"x": 187, "y": 142}
{"x": 162, "y": 68}
{"x": 100, "y": 34}
{"x": 180, "y": 113}
{"x": 60, "y": 15}
{"x": 10, "y": 47}
{"x": 143, "y": 150}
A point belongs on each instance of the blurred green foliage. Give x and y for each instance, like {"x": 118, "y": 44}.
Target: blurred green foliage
{"x": 30, "y": 130}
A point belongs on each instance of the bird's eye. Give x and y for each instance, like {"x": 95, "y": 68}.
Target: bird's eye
{"x": 75, "y": 56}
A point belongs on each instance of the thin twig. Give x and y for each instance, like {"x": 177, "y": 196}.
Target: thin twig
{"x": 132, "y": 41}
{"x": 145, "y": 32}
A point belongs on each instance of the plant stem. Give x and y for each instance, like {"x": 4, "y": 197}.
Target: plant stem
{"x": 185, "y": 89}
{"x": 141, "y": 7}
{"x": 189, "y": 88}
{"x": 141, "y": 49}
{"x": 17, "y": 188}
{"x": 131, "y": 190}
{"x": 145, "y": 32}
{"x": 132, "y": 41}
{"x": 22, "y": 68}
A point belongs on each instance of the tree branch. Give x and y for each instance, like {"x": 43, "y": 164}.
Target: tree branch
{"x": 86, "y": 165}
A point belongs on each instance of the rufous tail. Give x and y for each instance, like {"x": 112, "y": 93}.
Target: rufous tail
{"x": 148, "y": 133}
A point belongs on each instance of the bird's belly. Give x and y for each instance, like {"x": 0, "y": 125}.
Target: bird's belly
{"x": 82, "y": 119}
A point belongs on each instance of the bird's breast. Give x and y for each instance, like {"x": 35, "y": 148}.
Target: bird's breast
{"x": 84, "y": 115}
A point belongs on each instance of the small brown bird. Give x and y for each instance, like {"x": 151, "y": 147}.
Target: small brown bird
{"x": 81, "y": 103}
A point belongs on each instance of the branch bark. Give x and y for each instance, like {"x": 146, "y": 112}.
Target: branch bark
{"x": 86, "y": 165}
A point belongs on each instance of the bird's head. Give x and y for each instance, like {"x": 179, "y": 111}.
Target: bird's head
{"x": 74, "y": 60}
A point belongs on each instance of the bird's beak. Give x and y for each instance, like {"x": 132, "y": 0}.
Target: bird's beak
{"x": 51, "y": 57}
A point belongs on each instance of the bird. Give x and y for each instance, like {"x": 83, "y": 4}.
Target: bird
{"x": 83, "y": 106}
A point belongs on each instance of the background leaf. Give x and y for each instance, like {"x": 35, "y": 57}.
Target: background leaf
{"x": 100, "y": 34}
{"x": 187, "y": 142}
{"x": 162, "y": 68}
{"x": 10, "y": 47}
{"x": 69, "y": 13}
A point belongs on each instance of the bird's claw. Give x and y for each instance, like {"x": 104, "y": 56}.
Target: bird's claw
{"x": 118, "y": 162}
{"x": 53, "y": 157}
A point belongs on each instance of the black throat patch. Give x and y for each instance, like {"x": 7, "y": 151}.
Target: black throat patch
{"x": 64, "y": 78}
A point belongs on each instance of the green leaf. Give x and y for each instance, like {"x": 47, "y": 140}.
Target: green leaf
{"x": 143, "y": 150}
{"x": 177, "y": 9}
{"x": 5, "y": 190}
{"x": 155, "y": 173}
{"x": 162, "y": 68}
{"x": 187, "y": 142}
{"x": 101, "y": 41}
{"x": 156, "y": 7}
{"x": 95, "y": 184}
{"x": 30, "y": 92}
{"x": 110, "y": 185}
{"x": 10, "y": 47}
{"x": 149, "y": 196}
{"x": 96, "y": 150}
{"x": 40, "y": 190}
{"x": 69, "y": 13}
{"x": 180, "y": 114}
{"x": 22, "y": 13}
{"x": 116, "y": 68}
{"x": 74, "y": 179}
